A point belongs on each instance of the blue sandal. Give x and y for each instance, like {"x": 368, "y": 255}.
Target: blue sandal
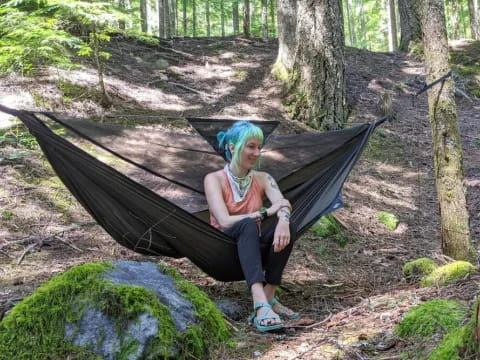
{"x": 283, "y": 313}
{"x": 257, "y": 320}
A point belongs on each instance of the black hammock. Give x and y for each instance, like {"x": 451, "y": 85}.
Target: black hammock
{"x": 310, "y": 170}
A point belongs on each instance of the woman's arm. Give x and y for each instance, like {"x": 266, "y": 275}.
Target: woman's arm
{"x": 282, "y": 208}
{"x": 216, "y": 203}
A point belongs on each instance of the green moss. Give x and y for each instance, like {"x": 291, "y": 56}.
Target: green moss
{"x": 280, "y": 72}
{"x": 74, "y": 92}
{"x": 328, "y": 226}
{"x": 470, "y": 70}
{"x": 212, "y": 328}
{"x": 418, "y": 268}
{"x": 388, "y": 219}
{"x": 448, "y": 274}
{"x": 35, "y": 328}
{"x": 240, "y": 75}
{"x": 456, "y": 345}
{"x": 436, "y": 316}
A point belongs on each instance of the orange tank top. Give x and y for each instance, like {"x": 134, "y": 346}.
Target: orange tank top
{"x": 252, "y": 201}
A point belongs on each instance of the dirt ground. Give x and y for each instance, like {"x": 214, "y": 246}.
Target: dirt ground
{"x": 351, "y": 296}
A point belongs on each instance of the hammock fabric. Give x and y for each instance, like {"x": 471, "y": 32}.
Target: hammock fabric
{"x": 310, "y": 170}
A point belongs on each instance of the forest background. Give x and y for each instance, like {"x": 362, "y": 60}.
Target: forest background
{"x": 64, "y": 56}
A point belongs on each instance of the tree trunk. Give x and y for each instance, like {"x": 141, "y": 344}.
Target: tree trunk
{"x": 363, "y": 28}
{"x": 272, "y": 16}
{"x": 166, "y": 18}
{"x": 474, "y": 19}
{"x": 349, "y": 23}
{"x": 317, "y": 80}
{"x": 246, "y": 18}
{"x": 222, "y": 17}
{"x": 235, "y": 20}
{"x": 265, "y": 19}
{"x": 447, "y": 146}
{"x": 161, "y": 19}
{"x": 392, "y": 26}
{"x": 455, "y": 16}
{"x": 410, "y": 30}
{"x": 194, "y": 18}
{"x": 173, "y": 17}
{"x": 207, "y": 16}
{"x": 184, "y": 17}
{"x": 144, "y": 14}
{"x": 287, "y": 29}
{"x": 121, "y": 5}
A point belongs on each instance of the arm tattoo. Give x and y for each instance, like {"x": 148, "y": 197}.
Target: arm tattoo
{"x": 273, "y": 184}
{"x": 284, "y": 213}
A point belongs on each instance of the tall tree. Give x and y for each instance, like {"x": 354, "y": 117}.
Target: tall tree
{"x": 447, "y": 146}
{"x": 184, "y": 13}
{"x": 351, "y": 26}
{"x": 410, "y": 29}
{"x": 207, "y": 16}
{"x": 173, "y": 17}
{"x": 235, "y": 20}
{"x": 265, "y": 19}
{"x": 246, "y": 18}
{"x": 474, "y": 18}
{"x": 222, "y": 17}
{"x": 161, "y": 19}
{"x": 287, "y": 30}
{"x": 455, "y": 20}
{"x": 272, "y": 16}
{"x": 392, "y": 26}
{"x": 145, "y": 14}
{"x": 167, "y": 19}
{"x": 317, "y": 77}
{"x": 194, "y": 18}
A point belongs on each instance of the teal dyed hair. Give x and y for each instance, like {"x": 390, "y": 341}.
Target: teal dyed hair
{"x": 238, "y": 134}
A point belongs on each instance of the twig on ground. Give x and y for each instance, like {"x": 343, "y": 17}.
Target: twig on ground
{"x": 308, "y": 350}
{"x": 190, "y": 89}
{"x": 68, "y": 244}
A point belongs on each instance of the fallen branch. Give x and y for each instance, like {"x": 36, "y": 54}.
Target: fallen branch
{"x": 308, "y": 350}
{"x": 190, "y": 89}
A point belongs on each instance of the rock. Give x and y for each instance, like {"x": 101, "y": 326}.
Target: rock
{"x": 231, "y": 309}
{"x": 119, "y": 310}
{"x": 161, "y": 64}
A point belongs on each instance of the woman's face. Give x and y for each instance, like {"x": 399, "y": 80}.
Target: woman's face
{"x": 250, "y": 153}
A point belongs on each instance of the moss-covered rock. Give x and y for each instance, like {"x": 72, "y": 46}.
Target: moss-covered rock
{"x": 457, "y": 345}
{"x": 328, "y": 226}
{"x": 112, "y": 311}
{"x": 418, "y": 268}
{"x": 436, "y": 316}
{"x": 448, "y": 274}
{"x": 388, "y": 219}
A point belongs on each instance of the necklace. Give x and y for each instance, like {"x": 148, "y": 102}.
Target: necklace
{"x": 239, "y": 185}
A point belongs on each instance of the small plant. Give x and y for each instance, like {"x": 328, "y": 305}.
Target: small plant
{"x": 448, "y": 274}
{"x": 18, "y": 137}
{"x": 388, "y": 219}
{"x": 436, "y": 316}
{"x": 240, "y": 75}
{"x": 418, "y": 268}
{"x": 5, "y": 215}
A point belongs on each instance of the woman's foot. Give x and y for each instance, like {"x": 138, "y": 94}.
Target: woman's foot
{"x": 284, "y": 312}
{"x": 264, "y": 318}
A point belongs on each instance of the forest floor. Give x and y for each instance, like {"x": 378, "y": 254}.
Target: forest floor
{"x": 351, "y": 295}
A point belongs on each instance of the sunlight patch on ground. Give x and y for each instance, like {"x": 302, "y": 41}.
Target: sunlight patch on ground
{"x": 18, "y": 100}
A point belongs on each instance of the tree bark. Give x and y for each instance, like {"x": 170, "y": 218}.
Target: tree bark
{"x": 410, "y": 29}
{"x": 222, "y": 17}
{"x": 166, "y": 18}
{"x": 447, "y": 146}
{"x": 144, "y": 14}
{"x": 194, "y": 18}
{"x": 392, "y": 26}
{"x": 351, "y": 28}
{"x": 455, "y": 16}
{"x": 287, "y": 29}
{"x": 161, "y": 19}
{"x": 265, "y": 19}
{"x": 235, "y": 20}
{"x": 246, "y": 18}
{"x": 474, "y": 19}
{"x": 272, "y": 16}
{"x": 184, "y": 17}
{"x": 173, "y": 17}
{"x": 207, "y": 16}
{"x": 317, "y": 80}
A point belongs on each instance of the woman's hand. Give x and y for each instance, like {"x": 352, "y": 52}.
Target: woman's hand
{"x": 277, "y": 206}
{"x": 281, "y": 237}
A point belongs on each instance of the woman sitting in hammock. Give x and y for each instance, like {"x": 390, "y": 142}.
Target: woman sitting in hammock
{"x": 235, "y": 198}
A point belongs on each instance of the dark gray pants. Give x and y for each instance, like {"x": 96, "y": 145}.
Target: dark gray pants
{"x": 259, "y": 262}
